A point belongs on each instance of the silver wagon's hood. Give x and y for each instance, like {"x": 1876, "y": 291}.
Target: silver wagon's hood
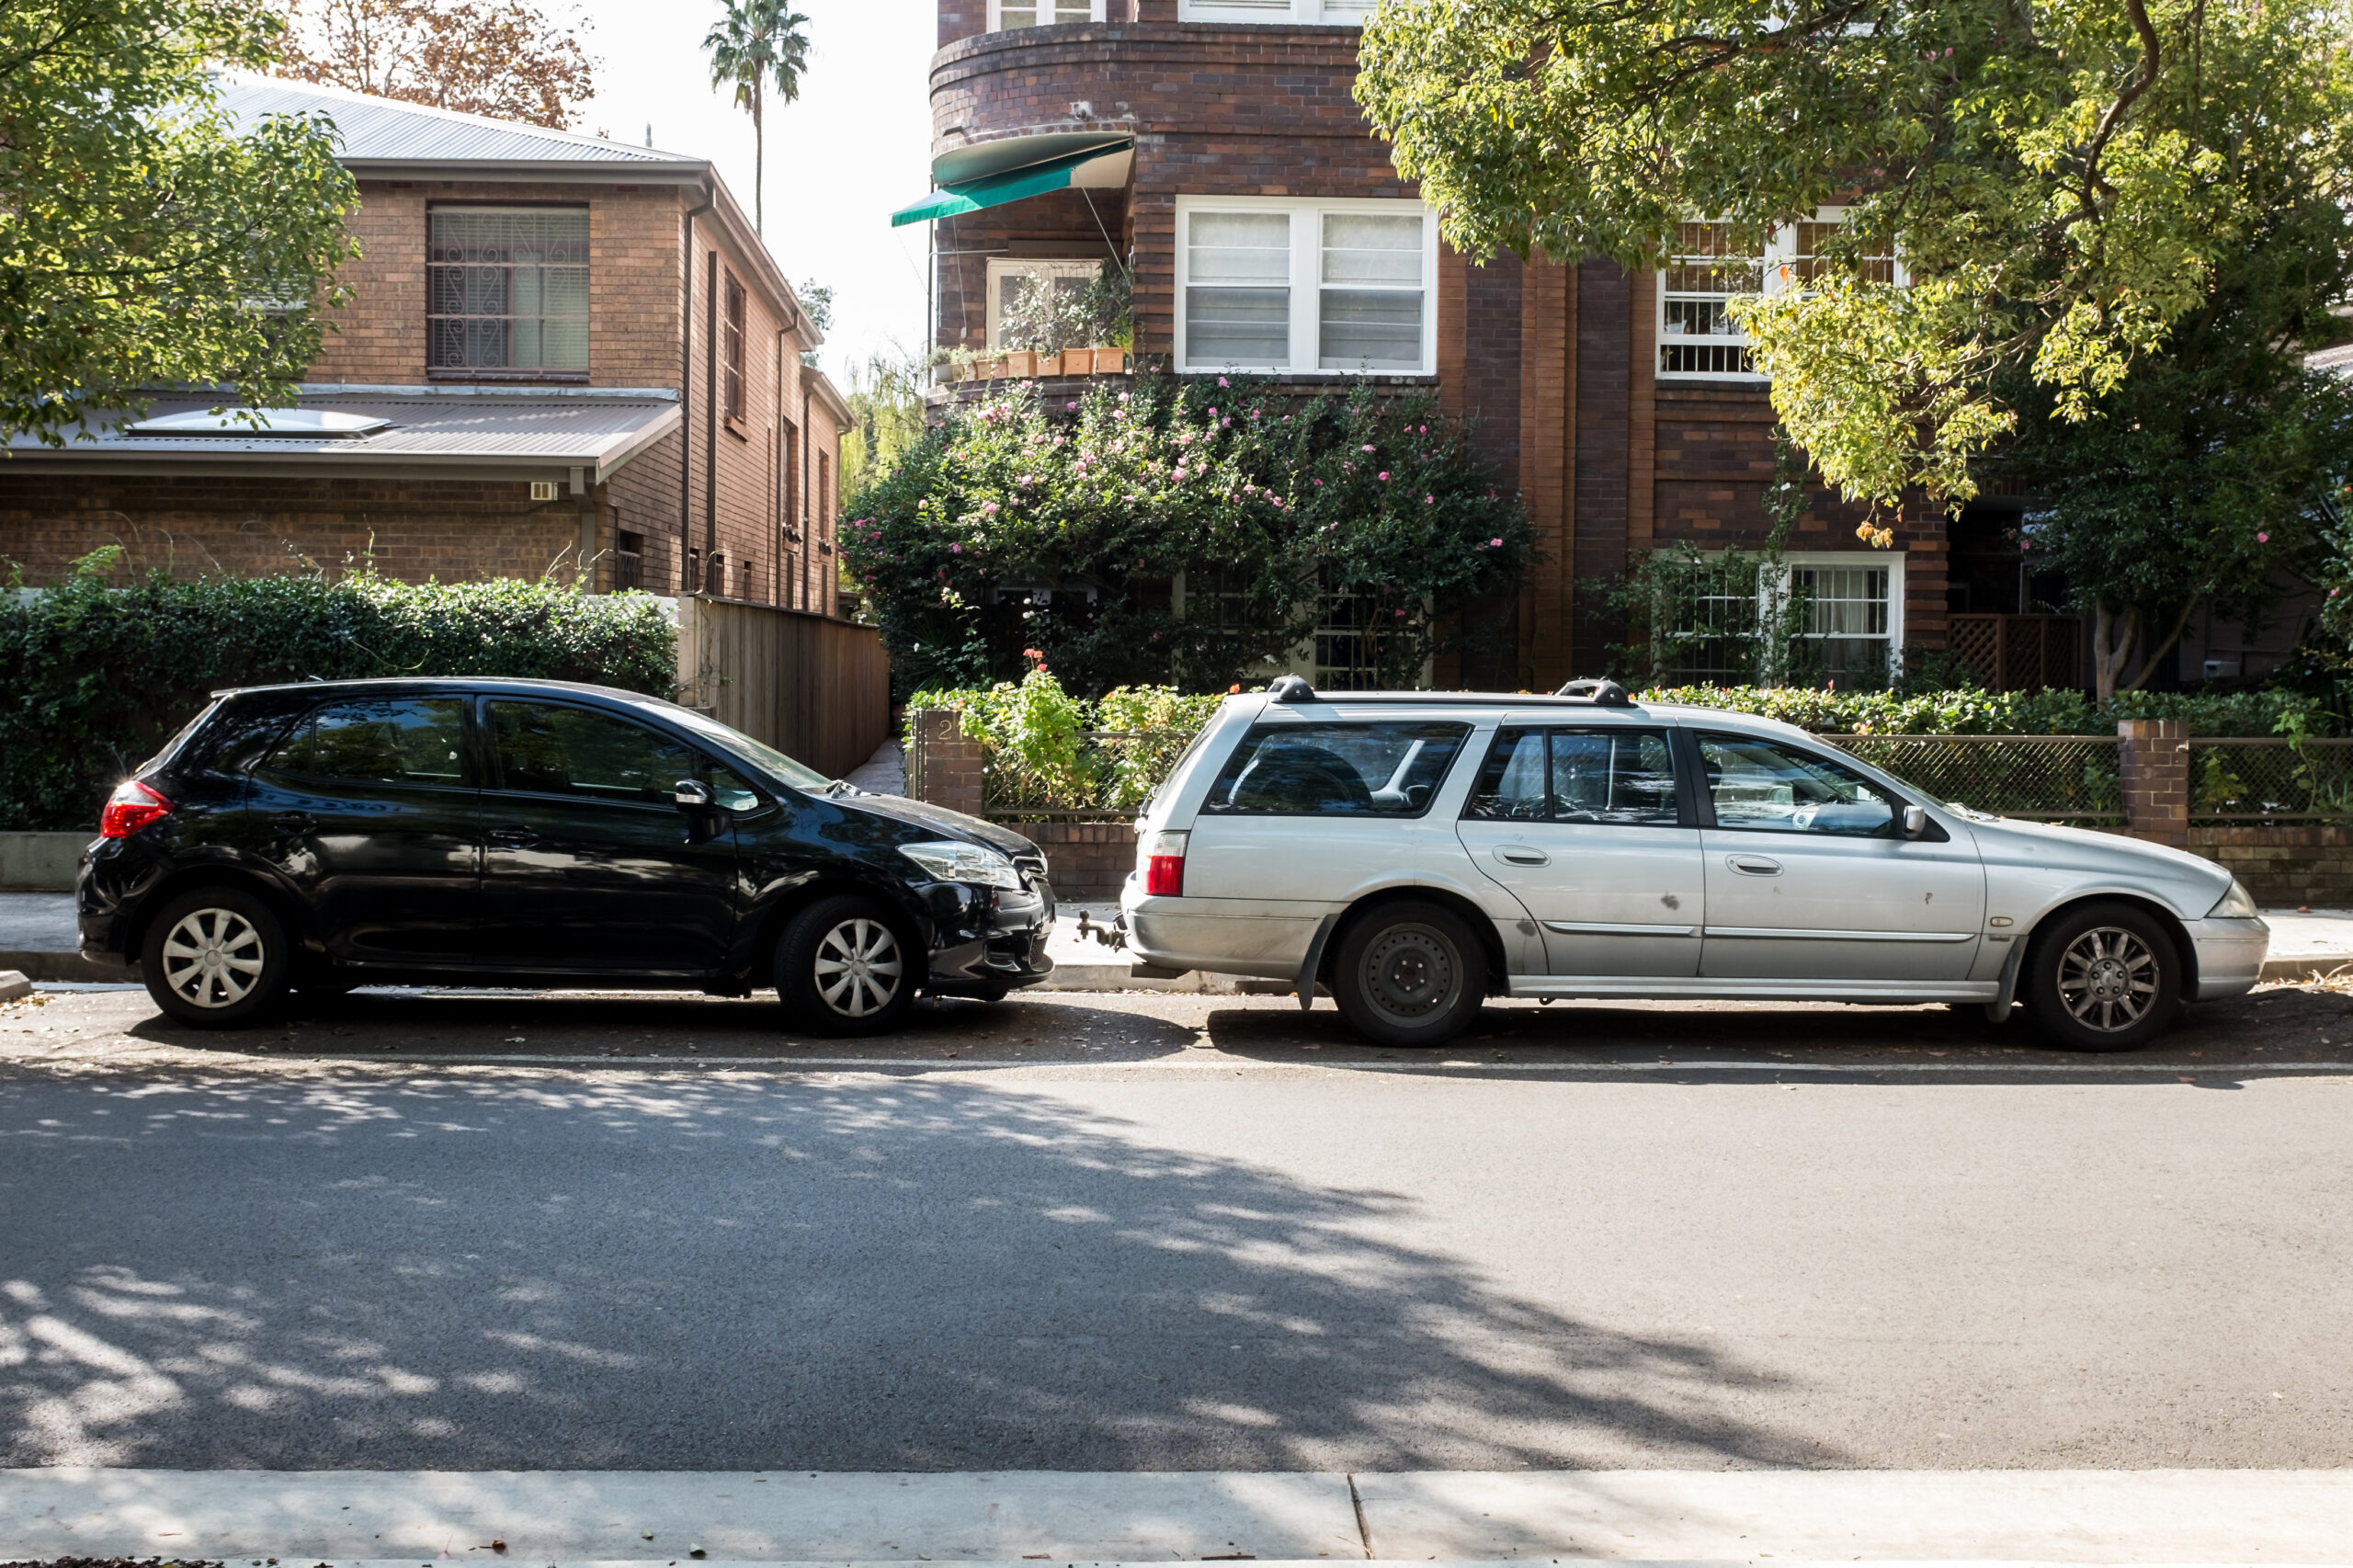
{"x": 2189, "y": 884}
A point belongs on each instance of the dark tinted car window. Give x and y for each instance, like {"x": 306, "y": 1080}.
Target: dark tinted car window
{"x": 553, "y": 750}
{"x": 1369, "y": 770}
{"x": 1609, "y": 775}
{"x": 389, "y": 740}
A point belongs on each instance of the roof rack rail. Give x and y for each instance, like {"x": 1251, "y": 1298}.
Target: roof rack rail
{"x": 1290, "y": 688}
{"x": 1601, "y": 693}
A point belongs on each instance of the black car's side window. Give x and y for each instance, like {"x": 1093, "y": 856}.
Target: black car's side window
{"x": 1613, "y": 776}
{"x": 548, "y": 749}
{"x": 1379, "y": 768}
{"x": 383, "y": 739}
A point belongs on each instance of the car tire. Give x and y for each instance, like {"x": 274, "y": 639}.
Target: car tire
{"x": 844, "y": 966}
{"x": 1409, "y": 974}
{"x": 2103, "y": 977}
{"x": 217, "y": 958}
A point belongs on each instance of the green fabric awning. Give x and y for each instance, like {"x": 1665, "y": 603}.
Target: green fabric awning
{"x": 996, "y": 189}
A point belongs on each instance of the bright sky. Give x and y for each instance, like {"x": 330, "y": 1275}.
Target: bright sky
{"x": 856, "y": 145}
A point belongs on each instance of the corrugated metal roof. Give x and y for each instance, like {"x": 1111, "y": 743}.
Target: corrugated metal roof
{"x": 385, "y": 131}
{"x": 468, "y": 429}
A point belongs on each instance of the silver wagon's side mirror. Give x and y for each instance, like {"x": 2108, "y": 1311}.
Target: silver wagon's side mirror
{"x": 1915, "y": 822}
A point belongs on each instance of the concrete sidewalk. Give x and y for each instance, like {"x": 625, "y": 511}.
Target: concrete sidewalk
{"x": 554, "y": 1516}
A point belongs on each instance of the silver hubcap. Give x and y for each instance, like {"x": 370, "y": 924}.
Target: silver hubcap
{"x": 1410, "y": 973}
{"x": 858, "y": 969}
{"x": 2107, "y": 979}
{"x": 213, "y": 958}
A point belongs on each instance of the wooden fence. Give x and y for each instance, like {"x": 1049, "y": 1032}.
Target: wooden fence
{"x": 2020, "y": 653}
{"x": 817, "y": 689}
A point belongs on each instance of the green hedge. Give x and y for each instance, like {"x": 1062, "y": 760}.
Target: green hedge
{"x": 93, "y": 677}
{"x": 2007, "y": 713}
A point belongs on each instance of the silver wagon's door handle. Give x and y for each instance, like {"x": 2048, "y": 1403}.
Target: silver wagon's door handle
{"x": 1753, "y": 865}
{"x": 1521, "y": 855}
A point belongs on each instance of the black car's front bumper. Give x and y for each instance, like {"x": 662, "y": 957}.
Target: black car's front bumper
{"x": 995, "y": 942}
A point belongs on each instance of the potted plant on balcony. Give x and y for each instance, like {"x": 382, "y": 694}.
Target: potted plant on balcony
{"x": 1066, "y": 326}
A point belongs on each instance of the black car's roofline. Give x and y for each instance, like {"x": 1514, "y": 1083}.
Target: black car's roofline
{"x": 471, "y": 683}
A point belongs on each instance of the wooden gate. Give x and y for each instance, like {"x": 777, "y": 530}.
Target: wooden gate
{"x": 817, "y": 689}
{"x": 2020, "y": 653}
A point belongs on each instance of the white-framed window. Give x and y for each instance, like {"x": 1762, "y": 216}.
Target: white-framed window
{"x": 1012, "y": 279}
{"x": 1349, "y": 12}
{"x": 1005, "y": 13}
{"x": 1852, "y": 630}
{"x": 1289, "y": 286}
{"x": 1697, "y": 337}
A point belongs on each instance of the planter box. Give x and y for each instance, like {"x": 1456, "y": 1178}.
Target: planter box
{"x": 1028, "y": 365}
{"x": 40, "y": 862}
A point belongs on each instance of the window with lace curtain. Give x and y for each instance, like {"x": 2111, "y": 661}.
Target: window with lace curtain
{"x": 1008, "y": 14}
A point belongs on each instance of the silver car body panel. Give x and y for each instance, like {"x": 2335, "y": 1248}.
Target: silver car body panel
{"x": 1662, "y": 913}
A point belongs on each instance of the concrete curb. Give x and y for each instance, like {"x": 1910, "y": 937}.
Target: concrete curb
{"x": 66, "y": 966}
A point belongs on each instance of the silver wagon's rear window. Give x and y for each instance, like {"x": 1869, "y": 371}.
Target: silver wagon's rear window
{"x": 1314, "y": 770}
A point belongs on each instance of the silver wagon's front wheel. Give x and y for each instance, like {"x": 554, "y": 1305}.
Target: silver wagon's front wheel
{"x": 2104, "y": 977}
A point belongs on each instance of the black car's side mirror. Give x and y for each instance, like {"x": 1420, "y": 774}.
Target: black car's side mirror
{"x": 1915, "y": 822}
{"x": 694, "y": 795}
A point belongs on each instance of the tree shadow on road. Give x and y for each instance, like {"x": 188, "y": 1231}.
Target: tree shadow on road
{"x": 739, "y": 1273}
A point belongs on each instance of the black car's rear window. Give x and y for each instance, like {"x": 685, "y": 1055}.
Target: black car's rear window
{"x": 1373, "y": 769}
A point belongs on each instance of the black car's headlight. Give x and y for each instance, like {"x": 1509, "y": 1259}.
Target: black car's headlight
{"x": 950, "y": 861}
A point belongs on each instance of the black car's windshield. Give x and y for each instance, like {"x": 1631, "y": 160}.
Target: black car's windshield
{"x": 798, "y": 775}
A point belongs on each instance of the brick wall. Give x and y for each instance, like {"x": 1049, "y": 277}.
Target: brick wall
{"x": 2284, "y": 867}
{"x": 1555, "y": 363}
{"x": 456, "y": 531}
{"x": 1089, "y": 861}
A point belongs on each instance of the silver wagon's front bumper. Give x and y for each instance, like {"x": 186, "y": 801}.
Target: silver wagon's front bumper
{"x": 2230, "y": 955}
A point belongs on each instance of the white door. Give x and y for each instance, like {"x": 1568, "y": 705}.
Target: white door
{"x": 1810, "y": 876}
{"x": 1583, "y": 824}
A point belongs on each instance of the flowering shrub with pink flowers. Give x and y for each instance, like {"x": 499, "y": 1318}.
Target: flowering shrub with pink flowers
{"x": 1180, "y": 532}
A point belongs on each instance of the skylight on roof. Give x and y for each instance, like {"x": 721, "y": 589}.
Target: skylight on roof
{"x": 299, "y": 423}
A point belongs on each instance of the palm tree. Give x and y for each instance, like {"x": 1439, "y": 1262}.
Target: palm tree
{"x": 758, "y": 43}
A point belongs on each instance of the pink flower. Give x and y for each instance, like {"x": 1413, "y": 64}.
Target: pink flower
{"x": 1072, "y": 403}
{"x": 1123, "y": 397}
{"x": 1368, "y": 446}
{"x": 1385, "y": 476}
{"x": 1223, "y": 383}
{"x": 1495, "y": 544}
{"x": 955, "y": 550}
{"x": 1430, "y": 500}
{"x": 1319, "y": 484}
{"x": 1212, "y": 412}
{"x": 988, "y": 508}
{"x": 1179, "y": 475}
{"x": 2263, "y": 539}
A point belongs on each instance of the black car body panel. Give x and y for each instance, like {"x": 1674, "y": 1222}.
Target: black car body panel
{"x": 458, "y": 874}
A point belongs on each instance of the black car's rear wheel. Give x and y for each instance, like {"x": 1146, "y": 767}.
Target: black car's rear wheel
{"x": 844, "y": 967}
{"x": 217, "y": 958}
{"x": 1410, "y": 973}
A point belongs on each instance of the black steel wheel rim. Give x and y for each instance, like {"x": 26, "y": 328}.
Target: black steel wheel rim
{"x": 1411, "y": 974}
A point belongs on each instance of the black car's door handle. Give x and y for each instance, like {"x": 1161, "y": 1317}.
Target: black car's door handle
{"x": 295, "y": 821}
{"x": 513, "y": 837}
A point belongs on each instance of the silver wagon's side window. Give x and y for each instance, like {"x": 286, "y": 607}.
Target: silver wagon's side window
{"x": 1758, "y": 786}
{"x": 1614, "y": 776}
{"x": 1376, "y": 769}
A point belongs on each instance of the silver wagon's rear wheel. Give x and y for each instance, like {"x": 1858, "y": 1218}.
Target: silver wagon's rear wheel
{"x": 1410, "y": 973}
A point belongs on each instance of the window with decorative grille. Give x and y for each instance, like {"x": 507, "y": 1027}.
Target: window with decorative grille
{"x": 506, "y": 289}
{"x": 1697, "y": 335}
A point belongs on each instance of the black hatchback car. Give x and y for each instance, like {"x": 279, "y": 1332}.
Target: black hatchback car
{"x": 538, "y": 834}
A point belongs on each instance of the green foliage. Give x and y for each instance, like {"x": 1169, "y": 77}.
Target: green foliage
{"x": 1262, "y": 502}
{"x": 1044, "y": 748}
{"x": 885, "y": 399}
{"x": 2003, "y": 713}
{"x": 2061, "y": 181}
{"x": 94, "y": 676}
{"x": 145, "y": 241}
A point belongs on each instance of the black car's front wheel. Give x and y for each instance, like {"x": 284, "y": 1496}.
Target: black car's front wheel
{"x": 217, "y": 958}
{"x": 844, "y": 967}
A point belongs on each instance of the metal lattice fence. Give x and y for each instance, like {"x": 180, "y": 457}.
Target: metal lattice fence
{"x": 1106, "y": 779}
{"x": 2045, "y": 778}
{"x": 2246, "y": 780}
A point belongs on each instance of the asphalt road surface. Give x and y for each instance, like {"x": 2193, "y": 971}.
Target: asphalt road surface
{"x": 1169, "y": 1233}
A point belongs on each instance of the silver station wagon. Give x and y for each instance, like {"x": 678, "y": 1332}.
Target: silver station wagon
{"x": 1417, "y": 854}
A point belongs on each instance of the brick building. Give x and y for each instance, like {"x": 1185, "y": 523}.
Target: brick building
{"x": 1214, "y": 146}
{"x": 558, "y": 349}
